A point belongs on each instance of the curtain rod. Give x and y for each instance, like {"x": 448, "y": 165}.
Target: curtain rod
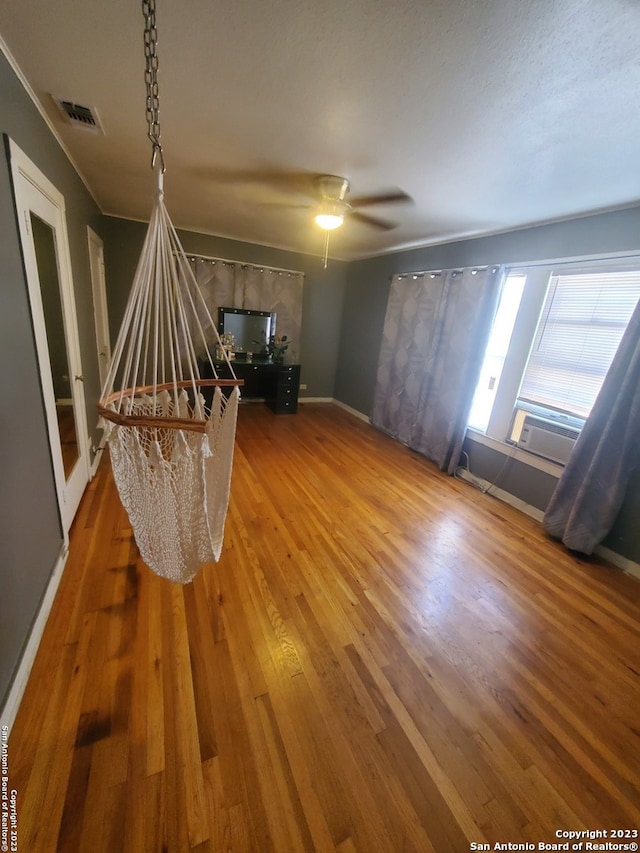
{"x": 454, "y": 270}
{"x": 262, "y": 267}
{"x": 628, "y": 257}
{"x": 582, "y": 260}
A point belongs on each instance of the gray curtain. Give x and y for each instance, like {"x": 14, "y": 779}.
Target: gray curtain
{"x": 236, "y": 285}
{"x": 435, "y": 332}
{"x": 591, "y": 489}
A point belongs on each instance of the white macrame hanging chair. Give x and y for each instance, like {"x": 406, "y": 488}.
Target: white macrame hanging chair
{"x": 171, "y": 451}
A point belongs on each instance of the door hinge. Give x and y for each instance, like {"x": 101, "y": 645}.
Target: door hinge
{"x": 27, "y": 222}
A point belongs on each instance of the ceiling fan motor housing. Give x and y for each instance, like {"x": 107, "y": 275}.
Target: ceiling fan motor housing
{"x": 332, "y": 187}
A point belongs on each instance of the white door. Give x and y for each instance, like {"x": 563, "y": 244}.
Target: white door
{"x": 43, "y": 232}
{"x": 100, "y": 312}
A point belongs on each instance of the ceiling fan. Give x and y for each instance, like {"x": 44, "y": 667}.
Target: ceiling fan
{"x": 333, "y": 207}
{"x": 331, "y": 203}
{"x": 332, "y": 192}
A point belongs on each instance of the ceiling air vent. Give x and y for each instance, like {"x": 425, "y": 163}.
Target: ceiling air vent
{"x": 80, "y": 116}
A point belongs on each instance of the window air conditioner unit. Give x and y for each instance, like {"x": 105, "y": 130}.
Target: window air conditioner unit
{"x": 545, "y": 438}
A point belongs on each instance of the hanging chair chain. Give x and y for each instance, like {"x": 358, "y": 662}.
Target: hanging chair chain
{"x": 151, "y": 81}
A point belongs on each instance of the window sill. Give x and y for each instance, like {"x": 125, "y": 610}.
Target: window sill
{"x": 514, "y": 452}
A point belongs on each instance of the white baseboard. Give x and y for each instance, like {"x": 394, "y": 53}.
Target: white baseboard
{"x": 344, "y": 406}
{"x": 628, "y": 566}
{"x": 10, "y": 709}
{"x": 351, "y": 411}
{"x": 506, "y": 497}
{"x": 96, "y": 462}
{"x": 618, "y": 560}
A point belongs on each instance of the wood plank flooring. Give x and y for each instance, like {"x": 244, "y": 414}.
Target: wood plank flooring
{"x": 68, "y": 438}
{"x": 384, "y": 659}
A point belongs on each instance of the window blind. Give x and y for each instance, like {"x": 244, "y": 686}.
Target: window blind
{"x": 582, "y": 323}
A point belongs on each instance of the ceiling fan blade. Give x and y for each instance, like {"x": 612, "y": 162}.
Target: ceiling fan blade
{"x": 374, "y": 221}
{"x": 393, "y": 197}
{"x": 300, "y": 182}
{"x": 282, "y": 205}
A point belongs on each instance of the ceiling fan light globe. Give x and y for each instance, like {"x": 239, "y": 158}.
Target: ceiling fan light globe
{"x": 329, "y": 221}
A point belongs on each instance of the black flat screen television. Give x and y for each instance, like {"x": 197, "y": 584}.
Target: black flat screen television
{"x": 251, "y": 330}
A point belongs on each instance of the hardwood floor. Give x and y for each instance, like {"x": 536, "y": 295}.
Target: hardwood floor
{"x": 68, "y": 438}
{"x": 384, "y": 659}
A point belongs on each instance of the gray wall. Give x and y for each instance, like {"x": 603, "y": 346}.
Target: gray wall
{"x": 365, "y": 301}
{"x": 30, "y": 532}
{"x": 323, "y": 290}
{"x": 368, "y": 282}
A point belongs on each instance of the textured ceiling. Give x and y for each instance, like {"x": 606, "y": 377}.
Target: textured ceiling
{"x": 490, "y": 114}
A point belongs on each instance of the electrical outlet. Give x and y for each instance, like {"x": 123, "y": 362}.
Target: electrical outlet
{"x": 303, "y": 387}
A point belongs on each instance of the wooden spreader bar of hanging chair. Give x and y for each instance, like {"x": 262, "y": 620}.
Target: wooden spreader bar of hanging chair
{"x": 194, "y": 425}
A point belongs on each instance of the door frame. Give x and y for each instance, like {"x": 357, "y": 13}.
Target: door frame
{"x": 100, "y": 306}
{"x": 26, "y": 179}
{"x": 101, "y": 320}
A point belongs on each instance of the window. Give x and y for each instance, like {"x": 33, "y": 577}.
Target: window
{"x": 496, "y": 351}
{"x": 582, "y": 323}
{"x": 554, "y": 337}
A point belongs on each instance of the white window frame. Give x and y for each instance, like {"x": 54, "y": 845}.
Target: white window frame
{"x": 531, "y": 305}
{"x": 524, "y": 330}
